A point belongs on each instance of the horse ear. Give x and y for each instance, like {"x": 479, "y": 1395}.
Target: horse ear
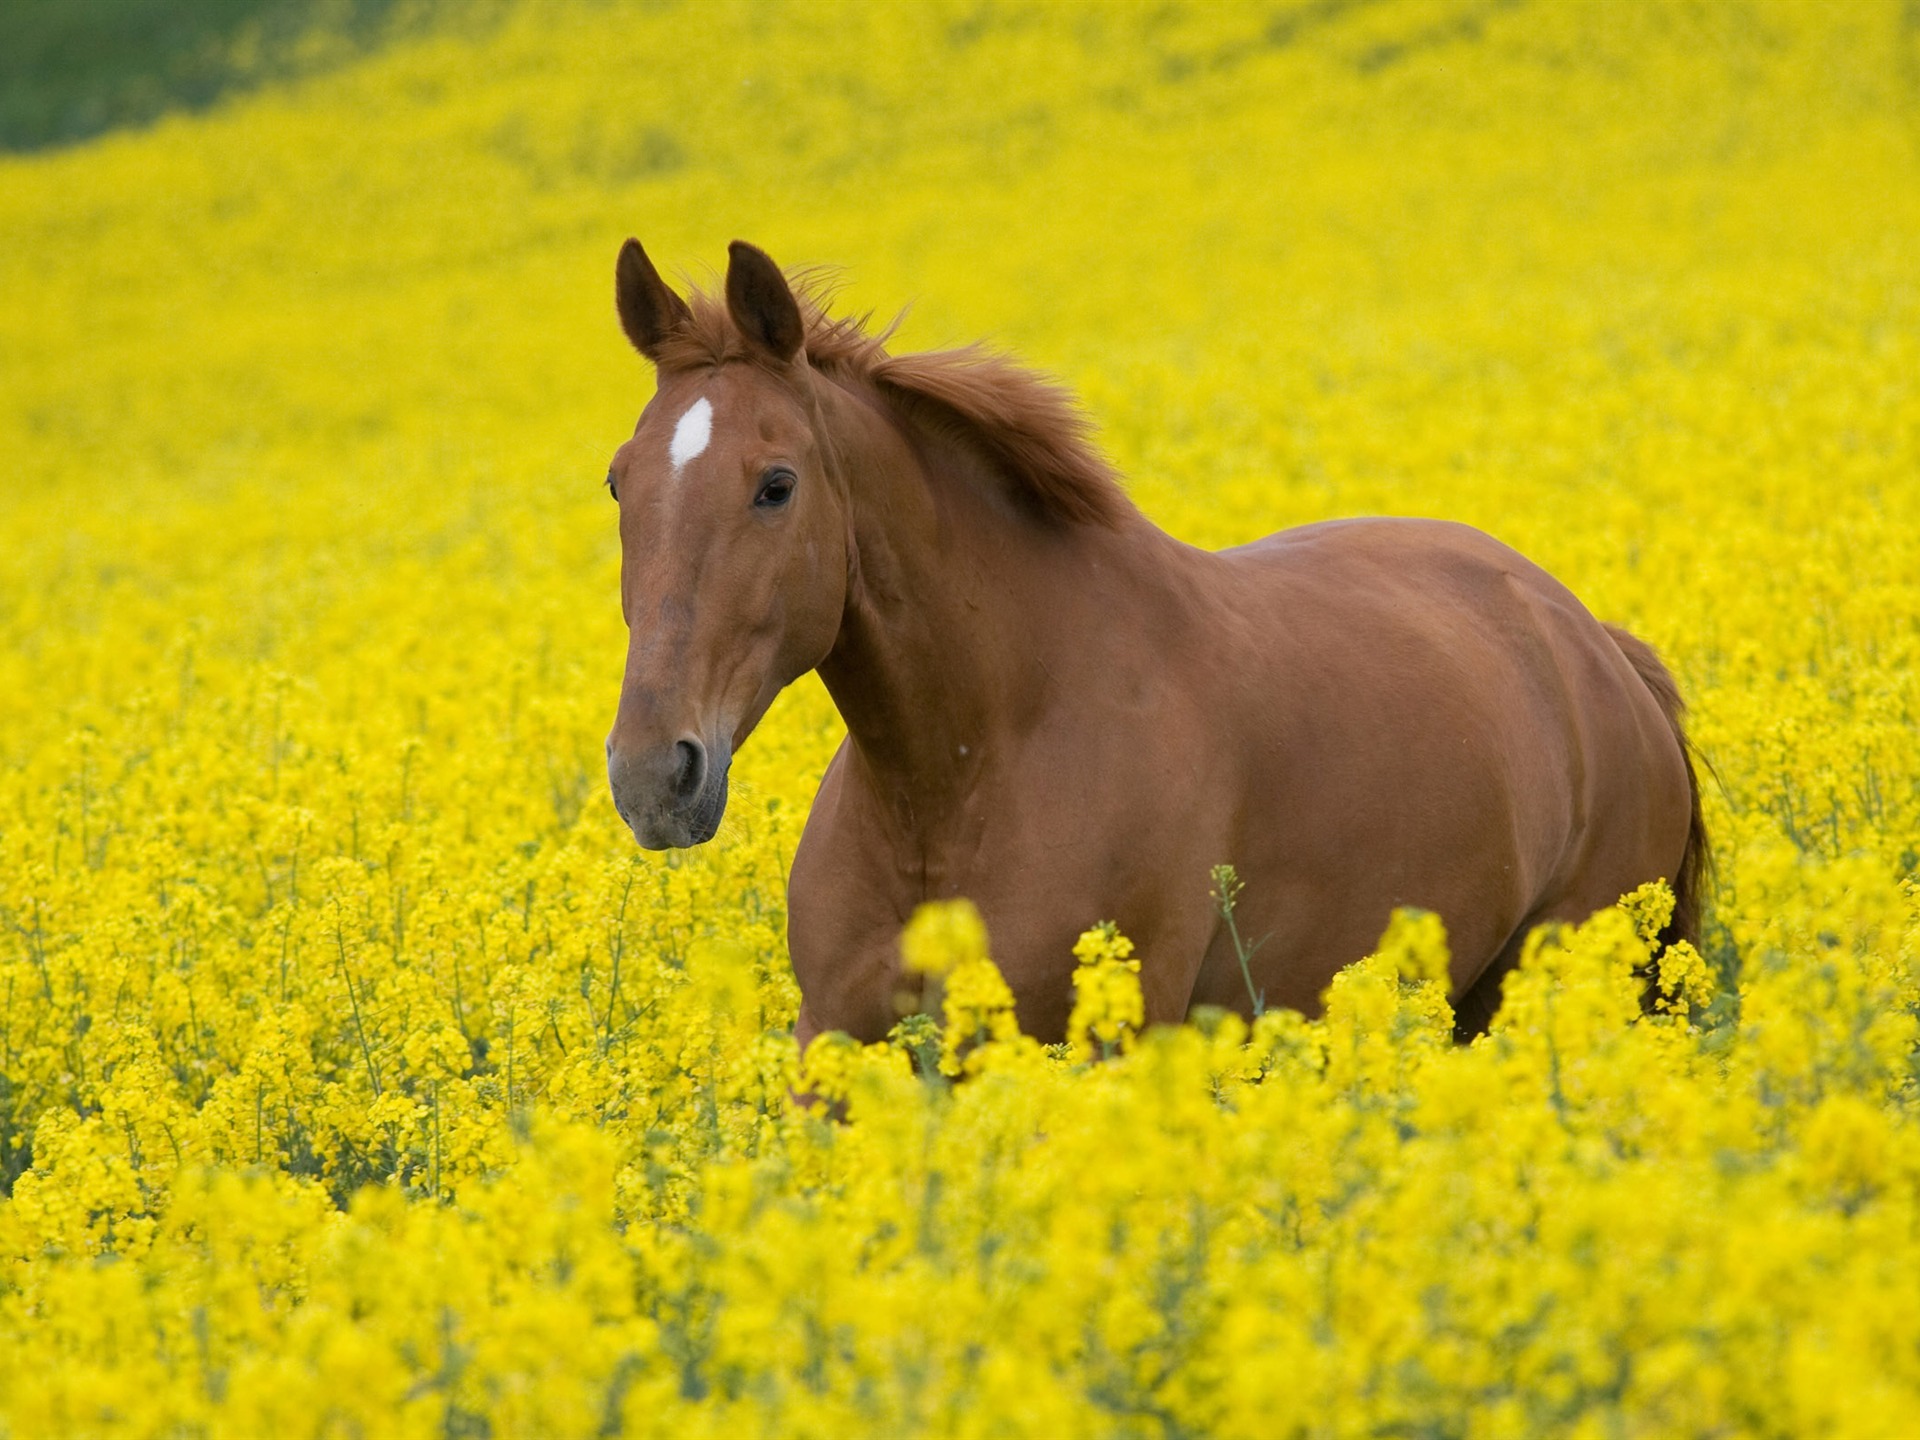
{"x": 649, "y": 310}
{"x": 761, "y": 303}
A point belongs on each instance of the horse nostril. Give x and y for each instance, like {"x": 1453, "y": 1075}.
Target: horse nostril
{"x": 691, "y": 772}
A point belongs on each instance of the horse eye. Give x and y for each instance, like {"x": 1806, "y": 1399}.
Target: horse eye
{"x": 776, "y": 488}
{"x": 611, "y": 488}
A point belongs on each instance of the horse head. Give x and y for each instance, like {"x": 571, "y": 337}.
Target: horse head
{"x": 733, "y": 539}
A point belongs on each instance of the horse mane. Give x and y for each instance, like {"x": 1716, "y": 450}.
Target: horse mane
{"x": 1029, "y": 425}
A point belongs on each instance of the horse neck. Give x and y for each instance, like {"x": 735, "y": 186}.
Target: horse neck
{"x": 954, "y": 602}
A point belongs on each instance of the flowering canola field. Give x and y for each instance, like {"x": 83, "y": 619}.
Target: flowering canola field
{"x": 358, "y": 1077}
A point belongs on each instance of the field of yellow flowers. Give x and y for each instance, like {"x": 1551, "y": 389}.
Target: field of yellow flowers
{"x": 358, "y": 1076}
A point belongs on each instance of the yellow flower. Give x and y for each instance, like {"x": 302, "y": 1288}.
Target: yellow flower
{"x": 1108, "y": 1009}
{"x": 943, "y": 936}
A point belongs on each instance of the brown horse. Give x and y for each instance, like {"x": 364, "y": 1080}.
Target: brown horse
{"x": 1063, "y": 713}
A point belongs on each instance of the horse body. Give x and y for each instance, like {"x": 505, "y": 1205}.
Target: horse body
{"x": 1062, "y": 713}
{"x": 1454, "y": 731}
{"x": 1255, "y": 707}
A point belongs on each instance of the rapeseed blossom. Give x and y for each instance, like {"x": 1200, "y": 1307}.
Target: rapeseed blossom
{"x": 358, "y": 1076}
{"x": 1108, "y": 1008}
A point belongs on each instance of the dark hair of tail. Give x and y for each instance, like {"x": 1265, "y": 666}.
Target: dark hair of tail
{"x": 1696, "y": 864}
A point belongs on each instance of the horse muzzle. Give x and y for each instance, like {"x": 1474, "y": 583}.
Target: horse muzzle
{"x": 671, "y": 796}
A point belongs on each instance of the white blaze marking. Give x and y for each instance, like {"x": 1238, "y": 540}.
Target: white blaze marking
{"x": 690, "y": 436}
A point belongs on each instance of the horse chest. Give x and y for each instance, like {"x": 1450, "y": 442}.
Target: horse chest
{"x": 1042, "y": 855}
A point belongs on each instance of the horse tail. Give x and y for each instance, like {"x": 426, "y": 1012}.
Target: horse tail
{"x": 1696, "y": 863}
